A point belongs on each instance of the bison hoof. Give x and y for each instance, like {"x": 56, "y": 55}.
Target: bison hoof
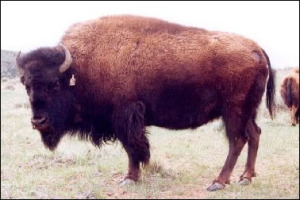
{"x": 244, "y": 181}
{"x": 127, "y": 181}
{"x": 215, "y": 186}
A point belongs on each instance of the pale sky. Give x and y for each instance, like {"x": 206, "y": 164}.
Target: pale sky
{"x": 273, "y": 25}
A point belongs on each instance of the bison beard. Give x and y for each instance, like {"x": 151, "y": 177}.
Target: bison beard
{"x": 132, "y": 72}
{"x": 51, "y": 138}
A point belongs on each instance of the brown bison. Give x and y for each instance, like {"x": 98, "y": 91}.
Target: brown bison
{"x": 290, "y": 94}
{"x": 111, "y": 77}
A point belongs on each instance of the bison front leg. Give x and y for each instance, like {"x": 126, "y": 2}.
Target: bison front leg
{"x": 130, "y": 130}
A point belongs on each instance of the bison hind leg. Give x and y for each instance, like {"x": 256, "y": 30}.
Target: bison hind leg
{"x": 252, "y": 131}
{"x": 235, "y": 127}
{"x": 239, "y": 119}
{"x": 253, "y": 135}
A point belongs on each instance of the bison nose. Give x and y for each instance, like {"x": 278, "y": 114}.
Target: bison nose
{"x": 40, "y": 123}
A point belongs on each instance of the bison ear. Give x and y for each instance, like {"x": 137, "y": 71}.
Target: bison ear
{"x": 20, "y": 69}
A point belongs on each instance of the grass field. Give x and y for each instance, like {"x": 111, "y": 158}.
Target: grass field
{"x": 183, "y": 163}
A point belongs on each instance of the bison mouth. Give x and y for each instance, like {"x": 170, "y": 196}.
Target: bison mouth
{"x": 40, "y": 123}
{"x": 42, "y": 127}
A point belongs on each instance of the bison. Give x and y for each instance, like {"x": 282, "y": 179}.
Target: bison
{"x": 289, "y": 92}
{"x": 111, "y": 77}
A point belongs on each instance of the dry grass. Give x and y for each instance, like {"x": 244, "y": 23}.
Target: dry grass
{"x": 183, "y": 163}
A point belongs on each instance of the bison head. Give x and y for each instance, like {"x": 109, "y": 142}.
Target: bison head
{"x": 46, "y": 74}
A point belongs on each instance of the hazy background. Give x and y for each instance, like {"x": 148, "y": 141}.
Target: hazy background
{"x": 274, "y": 25}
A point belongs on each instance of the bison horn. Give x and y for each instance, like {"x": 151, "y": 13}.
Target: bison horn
{"x": 68, "y": 60}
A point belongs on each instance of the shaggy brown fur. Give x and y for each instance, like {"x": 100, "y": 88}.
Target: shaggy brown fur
{"x": 133, "y": 72}
{"x": 290, "y": 94}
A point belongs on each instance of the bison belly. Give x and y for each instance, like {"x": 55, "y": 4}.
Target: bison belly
{"x": 182, "y": 107}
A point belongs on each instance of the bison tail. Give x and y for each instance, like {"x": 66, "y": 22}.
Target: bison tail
{"x": 270, "y": 101}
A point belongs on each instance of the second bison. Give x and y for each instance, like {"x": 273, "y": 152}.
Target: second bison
{"x": 290, "y": 94}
